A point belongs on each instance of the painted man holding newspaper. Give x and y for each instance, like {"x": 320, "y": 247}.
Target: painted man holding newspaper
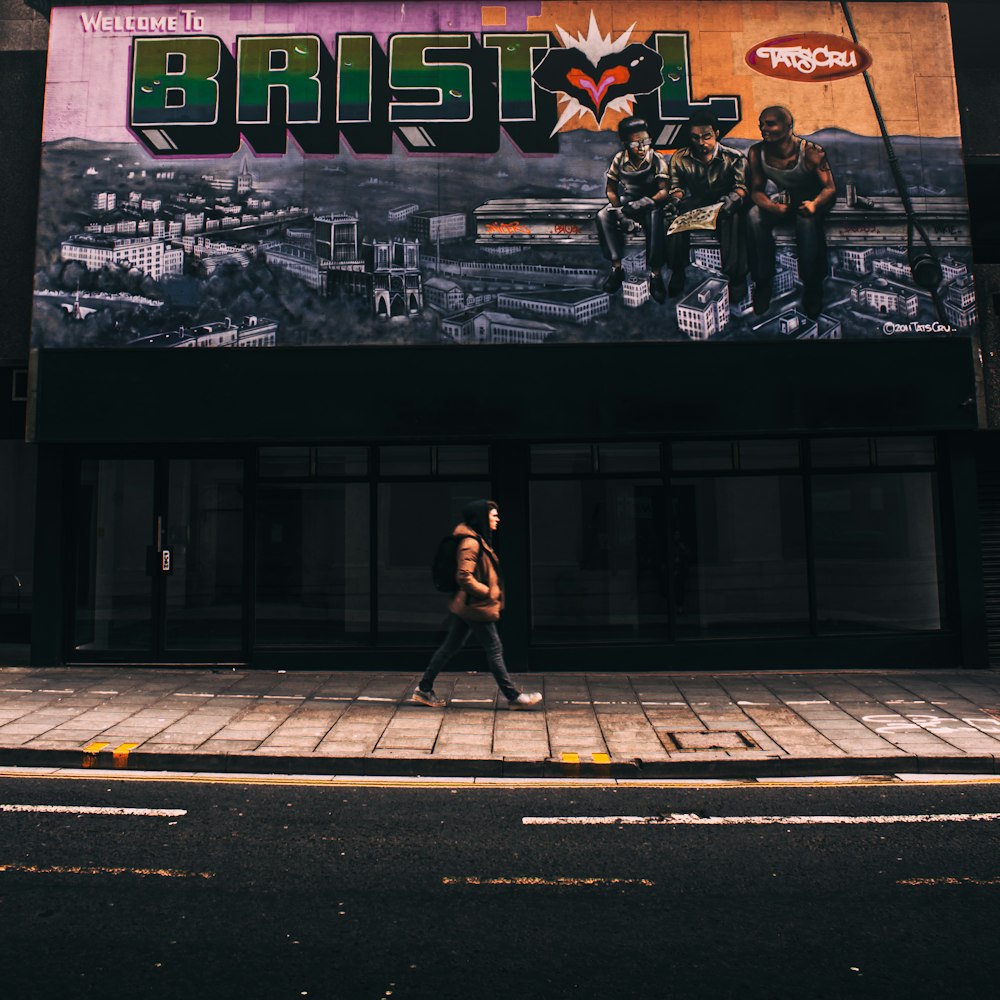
{"x": 705, "y": 174}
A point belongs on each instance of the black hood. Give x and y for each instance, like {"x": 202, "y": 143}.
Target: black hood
{"x": 477, "y": 516}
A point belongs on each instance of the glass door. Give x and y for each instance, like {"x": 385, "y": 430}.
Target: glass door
{"x": 159, "y": 556}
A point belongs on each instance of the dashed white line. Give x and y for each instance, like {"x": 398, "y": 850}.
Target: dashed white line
{"x": 90, "y": 810}
{"x": 693, "y": 819}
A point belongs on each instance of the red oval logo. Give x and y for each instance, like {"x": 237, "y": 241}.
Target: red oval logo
{"x": 809, "y": 58}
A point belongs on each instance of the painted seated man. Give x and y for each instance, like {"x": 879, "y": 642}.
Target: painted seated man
{"x": 637, "y": 193}
{"x": 806, "y": 192}
{"x": 702, "y": 174}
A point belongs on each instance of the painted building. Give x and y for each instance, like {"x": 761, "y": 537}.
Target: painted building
{"x": 685, "y": 485}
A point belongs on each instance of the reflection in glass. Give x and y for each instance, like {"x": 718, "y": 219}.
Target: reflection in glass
{"x": 404, "y": 460}
{"x": 738, "y": 563}
{"x": 115, "y": 527}
{"x": 695, "y": 456}
{"x": 553, "y": 459}
{"x": 878, "y": 561}
{"x": 830, "y": 452}
{"x": 412, "y": 518}
{"x": 204, "y": 533}
{"x": 283, "y": 463}
{"x": 313, "y": 564}
{"x": 598, "y": 559}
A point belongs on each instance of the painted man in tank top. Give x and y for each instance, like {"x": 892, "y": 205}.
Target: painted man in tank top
{"x": 805, "y": 194}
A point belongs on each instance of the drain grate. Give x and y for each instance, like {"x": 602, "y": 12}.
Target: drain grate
{"x": 704, "y": 739}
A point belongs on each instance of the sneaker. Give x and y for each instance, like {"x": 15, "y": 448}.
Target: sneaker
{"x": 676, "y": 285}
{"x": 428, "y": 698}
{"x": 656, "y": 288}
{"x": 614, "y": 280}
{"x": 527, "y": 699}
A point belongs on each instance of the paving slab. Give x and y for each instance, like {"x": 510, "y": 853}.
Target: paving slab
{"x": 727, "y": 724}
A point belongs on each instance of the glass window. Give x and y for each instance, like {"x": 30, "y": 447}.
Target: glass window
{"x": 769, "y": 454}
{"x": 283, "y": 463}
{"x": 313, "y": 564}
{"x": 830, "y": 452}
{"x": 738, "y": 556}
{"x": 463, "y": 460}
{"x": 336, "y": 461}
{"x": 598, "y": 559}
{"x": 17, "y": 537}
{"x": 412, "y": 518}
{"x": 878, "y": 562}
{"x": 404, "y": 460}
{"x": 114, "y": 531}
{"x": 904, "y": 450}
{"x": 204, "y": 532}
{"x": 632, "y": 457}
{"x": 693, "y": 456}
{"x": 561, "y": 458}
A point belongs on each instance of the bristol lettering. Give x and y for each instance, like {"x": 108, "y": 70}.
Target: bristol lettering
{"x": 433, "y": 93}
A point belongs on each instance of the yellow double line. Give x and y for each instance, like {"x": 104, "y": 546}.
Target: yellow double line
{"x": 119, "y": 756}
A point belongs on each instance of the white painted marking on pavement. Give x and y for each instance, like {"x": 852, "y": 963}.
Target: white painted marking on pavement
{"x": 90, "y": 810}
{"x": 693, "y": 819}
{"x": 819, "y": 701}
{"x": 18, "y": 690}
{"x": 368, "y": 697}
{"x": 55, "y": 690}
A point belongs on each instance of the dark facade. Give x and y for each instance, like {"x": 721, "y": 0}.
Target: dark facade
{"x": 665, "y": 506}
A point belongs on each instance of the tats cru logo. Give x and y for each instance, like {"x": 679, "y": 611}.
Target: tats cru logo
{"x": 810, "y": 58}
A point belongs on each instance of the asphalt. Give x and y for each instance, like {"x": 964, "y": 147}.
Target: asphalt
{"x": 649, "y": 725}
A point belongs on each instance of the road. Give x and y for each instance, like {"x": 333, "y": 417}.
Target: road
{"x": 264, "y": 891}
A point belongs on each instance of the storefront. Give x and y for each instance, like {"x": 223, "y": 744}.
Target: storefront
{"x": 415, "y": 313}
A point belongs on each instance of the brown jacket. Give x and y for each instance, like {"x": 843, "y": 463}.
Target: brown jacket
{"x": 479, "y": 597}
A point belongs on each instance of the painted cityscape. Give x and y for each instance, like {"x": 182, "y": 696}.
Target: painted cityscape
{"x": 138, "y": 250}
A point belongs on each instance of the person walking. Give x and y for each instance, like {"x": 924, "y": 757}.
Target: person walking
{"x": 475, "y": 607}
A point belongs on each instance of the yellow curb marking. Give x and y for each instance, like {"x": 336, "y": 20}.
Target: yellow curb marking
{"x": 90, "y": 752}
{"x": 571, "y": 758}
{"x": 72, "y": 870}
{"x": 601, "y": 758}
{"x": 120, "y": 754}
{"x": 537, "y": 880}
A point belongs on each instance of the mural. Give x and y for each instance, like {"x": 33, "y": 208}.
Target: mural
{"x": 254, "y": 175}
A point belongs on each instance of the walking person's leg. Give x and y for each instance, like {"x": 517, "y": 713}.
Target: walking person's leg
{"x": 487, "y": 636}
{"x": 458, "y": 632}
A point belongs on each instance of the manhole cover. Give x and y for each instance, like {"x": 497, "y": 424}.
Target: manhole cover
{"x": 703, "y": 739}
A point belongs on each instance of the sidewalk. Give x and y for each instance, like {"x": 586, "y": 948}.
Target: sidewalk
{"x": 590, "y": 725}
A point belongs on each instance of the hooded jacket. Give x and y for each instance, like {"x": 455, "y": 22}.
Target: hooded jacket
{"x": 479, "y": 597}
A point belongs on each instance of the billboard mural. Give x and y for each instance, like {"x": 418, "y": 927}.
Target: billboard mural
{"x": 258, "y": 175}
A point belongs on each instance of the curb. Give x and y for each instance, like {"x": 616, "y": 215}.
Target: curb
{"x": 637, "y": 769}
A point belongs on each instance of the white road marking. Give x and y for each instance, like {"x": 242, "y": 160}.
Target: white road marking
{"x": 90, "y": 810}
{"x": 693, "y": 819}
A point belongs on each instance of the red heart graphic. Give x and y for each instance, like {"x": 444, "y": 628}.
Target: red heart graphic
{"x": 609, "y": 78}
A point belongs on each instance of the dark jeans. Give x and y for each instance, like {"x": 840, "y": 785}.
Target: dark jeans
{"x": 810, "y": 241}
{"x": 729, "y": 231}
{"x": 486, "y": 636}
{"x": 612, "y": 238}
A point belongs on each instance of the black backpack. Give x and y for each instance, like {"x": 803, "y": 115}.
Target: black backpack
{"x": 444, "y": 566}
